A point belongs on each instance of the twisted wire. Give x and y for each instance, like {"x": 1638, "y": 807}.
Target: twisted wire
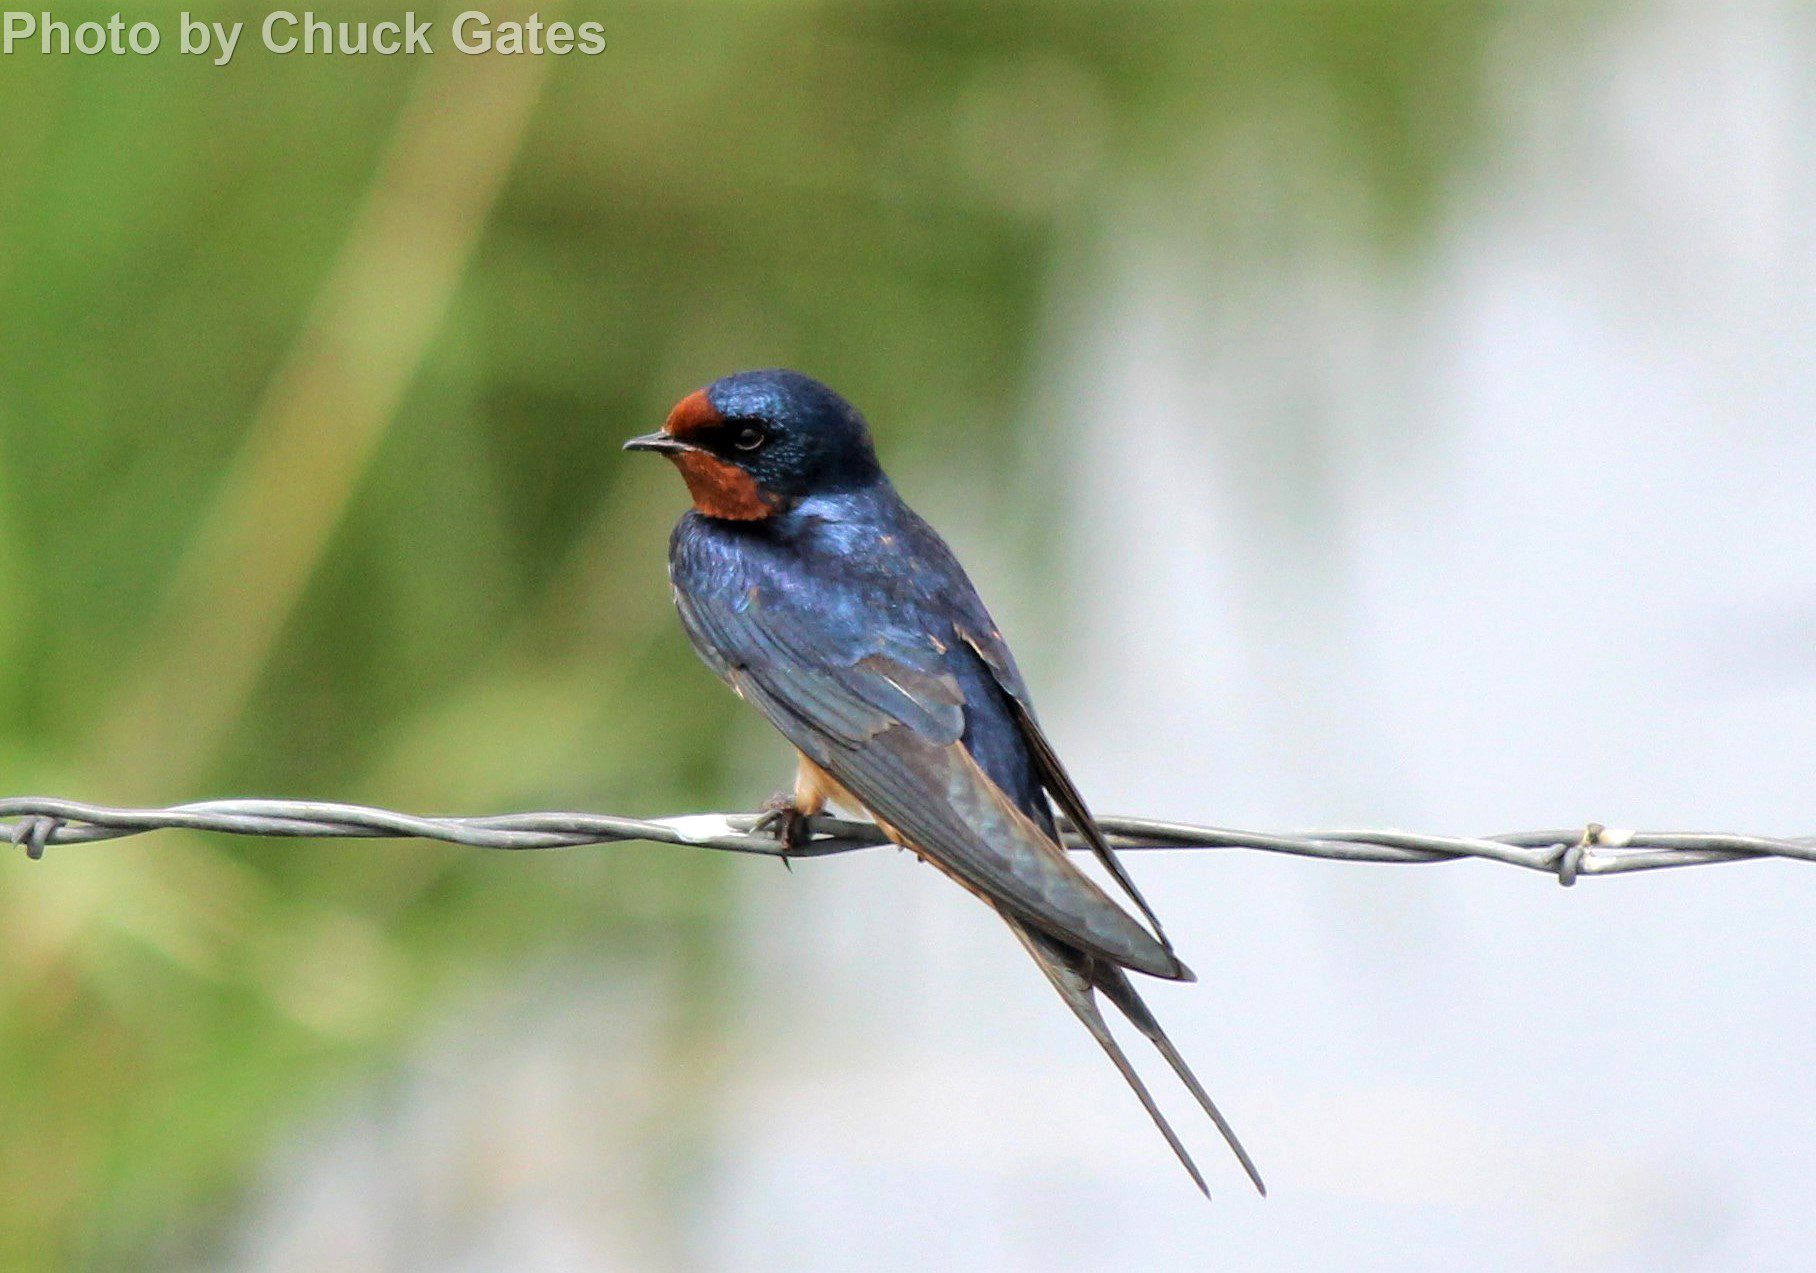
{"x": 36, "y": 823}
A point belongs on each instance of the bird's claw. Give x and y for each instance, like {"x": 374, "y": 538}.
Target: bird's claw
{"x": 779, "y": 817}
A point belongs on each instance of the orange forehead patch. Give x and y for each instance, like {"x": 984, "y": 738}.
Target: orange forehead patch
{"x": 692, "y": 414}
{"x": 721, "y": 489}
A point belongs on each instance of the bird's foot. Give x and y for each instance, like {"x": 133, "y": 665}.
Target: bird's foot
{"x": 779, "y": 816}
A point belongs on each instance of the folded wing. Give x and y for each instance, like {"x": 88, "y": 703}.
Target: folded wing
{"x": 994, "y": 651}
{"x": 882, "y": 712}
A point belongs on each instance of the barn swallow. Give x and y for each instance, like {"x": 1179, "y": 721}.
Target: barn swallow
{"x": 826, "y": 603}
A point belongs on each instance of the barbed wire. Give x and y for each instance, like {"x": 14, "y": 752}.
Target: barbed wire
{"x": 35, "y": 823}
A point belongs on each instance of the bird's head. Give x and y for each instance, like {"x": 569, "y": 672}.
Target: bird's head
{"x": 752, "y": 444}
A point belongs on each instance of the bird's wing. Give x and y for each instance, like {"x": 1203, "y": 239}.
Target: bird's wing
{"x": 883, "y": 715}
{"x": 994, "y": 651}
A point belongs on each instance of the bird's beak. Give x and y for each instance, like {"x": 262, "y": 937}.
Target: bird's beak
{"x": 666, "y": 443}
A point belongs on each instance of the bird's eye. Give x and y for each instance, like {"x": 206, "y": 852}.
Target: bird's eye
{"x": 750, "y": 437}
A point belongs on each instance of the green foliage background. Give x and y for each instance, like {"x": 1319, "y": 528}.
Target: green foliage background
{"x": 309, "y": 479}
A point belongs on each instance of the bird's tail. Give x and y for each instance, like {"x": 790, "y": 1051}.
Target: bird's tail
{"x": 1078, "y": 976}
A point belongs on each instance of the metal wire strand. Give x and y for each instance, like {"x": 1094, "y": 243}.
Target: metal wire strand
{"x": 36, "y": 823}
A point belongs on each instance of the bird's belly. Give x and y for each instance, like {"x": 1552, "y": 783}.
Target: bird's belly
{"x": 814, "y": 787}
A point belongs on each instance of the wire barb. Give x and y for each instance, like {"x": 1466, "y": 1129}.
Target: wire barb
{"x": 37, "y": 822}
{"x": 35, "y": 832}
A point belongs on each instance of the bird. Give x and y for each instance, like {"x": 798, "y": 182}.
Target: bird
{"x": 808, "y": 585}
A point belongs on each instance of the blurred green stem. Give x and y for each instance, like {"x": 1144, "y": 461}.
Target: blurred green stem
{"x": 328, "y": 407}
